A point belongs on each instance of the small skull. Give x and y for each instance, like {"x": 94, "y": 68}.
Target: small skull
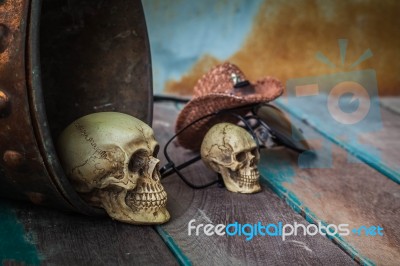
{"x": 231, "y": 151}
{"x": 110, "y": 158}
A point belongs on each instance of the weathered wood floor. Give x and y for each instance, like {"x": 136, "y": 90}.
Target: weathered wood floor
{"x": 358, "y": 194}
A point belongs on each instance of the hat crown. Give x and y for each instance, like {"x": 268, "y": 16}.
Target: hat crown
{"x": 223, "y": 87}
{"x": 220, "y": 79}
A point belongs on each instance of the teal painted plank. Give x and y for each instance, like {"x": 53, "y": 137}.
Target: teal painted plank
{"x": 340, "y": 191}
{"x": 64, "y": 238}
{"x": 175, "y": 249}
{"x": 277, "y": 169}
{"x": 15, "y": 244}
{"x": 311, "y": 111}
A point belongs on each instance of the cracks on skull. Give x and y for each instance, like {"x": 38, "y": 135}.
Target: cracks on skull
{"x": 101, "y": 176}
{"x": 89, "y": 139}
{"x": 92, "y": 158}
{"x": 224, "y": 148}
{"x": 224, "y": 133}
{"x": 97, "y": 170}
{"x": 229, "y": 151}
{"x": 79, "y": 166}
{"x": 225, "y": 144}
{"x": 115, "y": 159}
{"x": 141, "y": 130}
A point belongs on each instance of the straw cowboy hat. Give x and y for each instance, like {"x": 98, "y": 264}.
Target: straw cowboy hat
{"x": 223, "y": 87}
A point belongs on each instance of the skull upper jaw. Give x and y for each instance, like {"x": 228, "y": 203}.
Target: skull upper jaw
{"x": 150, "y": 209}
{"x": 120, "y": 206}
{"x": 238, "y": 182}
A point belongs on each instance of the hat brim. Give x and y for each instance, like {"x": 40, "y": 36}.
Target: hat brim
{"x": 266, "y": 90}
{"x": 282, "y": 129}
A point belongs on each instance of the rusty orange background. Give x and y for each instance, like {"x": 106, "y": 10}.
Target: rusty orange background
{"x": 285, "y": 37}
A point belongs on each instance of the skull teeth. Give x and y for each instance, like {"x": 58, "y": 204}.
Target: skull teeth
{"x": 154, "y": 200}
{"x": 149, "y": 188}
{"x": 249, "y": 179}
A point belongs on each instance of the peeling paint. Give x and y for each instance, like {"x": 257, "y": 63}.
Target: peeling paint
{"x": 15, "y": 244}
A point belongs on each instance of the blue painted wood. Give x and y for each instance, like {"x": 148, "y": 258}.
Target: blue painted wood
{"x": 313, "y": 112}
{"x": 15, "y": 245}
{"x": 276, "y": 169}
{"x": 175, "y": 249}
{"x": 331, "y": 188}
{"x": 35, "y": 235}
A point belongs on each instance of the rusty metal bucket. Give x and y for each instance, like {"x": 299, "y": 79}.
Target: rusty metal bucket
{"x": 60, "y": 60}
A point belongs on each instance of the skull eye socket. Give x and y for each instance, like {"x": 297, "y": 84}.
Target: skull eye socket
{"x": 241, "y": 156}
{"x": 138, "y": 162}
{"x": 254, "y": 152}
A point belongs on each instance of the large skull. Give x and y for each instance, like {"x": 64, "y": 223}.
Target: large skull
{"x": 231, "y": 151}
{"x": 110, "y": 159}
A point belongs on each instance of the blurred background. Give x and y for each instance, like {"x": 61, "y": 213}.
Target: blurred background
{"x": 281, "y": 38}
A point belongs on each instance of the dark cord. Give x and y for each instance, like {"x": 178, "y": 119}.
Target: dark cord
{"x": 172, "y": 168}
{"x": 167, "y": 169}
{"x": 159, "y": 98}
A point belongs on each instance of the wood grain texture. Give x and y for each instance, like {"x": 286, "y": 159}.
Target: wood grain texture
{"x": 73, "y": 239}
{"x": 217, "y": 205}
{"x": 15, "y": 246}
{"x": 386, "y": 140}
{"x": 351, "y": 137}
{"x": 391, "y": 103}
{"x": 341, "y": 191}
{"x": 352, "y": 194}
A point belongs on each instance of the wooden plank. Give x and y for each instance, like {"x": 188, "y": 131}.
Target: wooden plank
{"x": 341, "y": 192}
{"x": 386, "y": 141}
{"x": 218, "y": 206}
{"x": 313, "y": 111}
{"x": 15, "y": 247}
{"x": 52, "y": 237}
{"x": 391, "y": 103}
